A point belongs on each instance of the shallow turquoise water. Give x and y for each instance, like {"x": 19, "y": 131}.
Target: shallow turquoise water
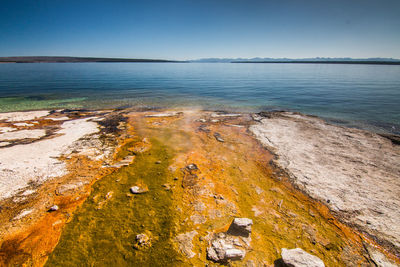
{"x": 365, "y": 96}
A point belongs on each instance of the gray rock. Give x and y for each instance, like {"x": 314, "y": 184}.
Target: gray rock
{"x": 299, "y": 258}
{"x": 218, "y": 137}
{"x": 203, "y": 128}
{"x": 241, "y": 226}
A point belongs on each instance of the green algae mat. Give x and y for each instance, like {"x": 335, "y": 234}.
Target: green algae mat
{"x": 103, "y": 230}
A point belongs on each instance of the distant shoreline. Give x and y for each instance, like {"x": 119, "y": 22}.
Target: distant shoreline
{"x": 45, "y": 59}
{"x": 49, "y": 59}
{"x": 324, "y": 62}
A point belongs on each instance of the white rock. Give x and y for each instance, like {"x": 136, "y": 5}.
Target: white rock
{"x": 23, "y": 124}
{"x": 225, "y": 115}
{"x": 222, "y": 250}
{"x": 212, "y": 254}
{"x": 137, "y": 190}
{"x": 160, "y": 115}
{"x": 234, "y": 254}
{"x": 299, "y": 258}
{"x": 242, "y": 225}
{"x": 54, "y": 208}
{"x": 142, "y": 240}
{"x": 59, "y": 119}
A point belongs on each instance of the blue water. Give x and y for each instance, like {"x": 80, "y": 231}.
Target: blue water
{"x": 364, "y": 96}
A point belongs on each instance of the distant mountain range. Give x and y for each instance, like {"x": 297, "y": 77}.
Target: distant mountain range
{"x": 328, "y": 60}
{"x": 320, "y": 60}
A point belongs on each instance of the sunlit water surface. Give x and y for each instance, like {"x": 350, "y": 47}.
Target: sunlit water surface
{"x": 364, "y": 96}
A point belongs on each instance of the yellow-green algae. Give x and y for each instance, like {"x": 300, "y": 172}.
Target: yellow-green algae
{"x": 105, "y": 236}
{"x": 240, "y": 172}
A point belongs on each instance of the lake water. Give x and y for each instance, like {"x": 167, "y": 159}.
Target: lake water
{"x": 364, "y": 96}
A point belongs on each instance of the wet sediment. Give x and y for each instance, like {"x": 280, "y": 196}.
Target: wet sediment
{"x": 196, "y": 184}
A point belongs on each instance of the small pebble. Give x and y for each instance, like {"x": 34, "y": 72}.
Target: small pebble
{"x": 53, "y": 208}
{"x": 192, "y": 167}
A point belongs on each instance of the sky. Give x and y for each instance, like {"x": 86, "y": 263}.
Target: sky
{"x": 191, "y": 29}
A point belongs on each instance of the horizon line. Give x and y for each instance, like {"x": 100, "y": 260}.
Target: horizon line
{"x": 221, "y": 58}
{"x": 72, "y": 59}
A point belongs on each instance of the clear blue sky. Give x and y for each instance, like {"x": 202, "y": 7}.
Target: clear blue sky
{"x": 188, "y": 29}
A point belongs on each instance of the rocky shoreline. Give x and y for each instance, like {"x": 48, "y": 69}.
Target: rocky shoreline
{"x": 57, "y": 167}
